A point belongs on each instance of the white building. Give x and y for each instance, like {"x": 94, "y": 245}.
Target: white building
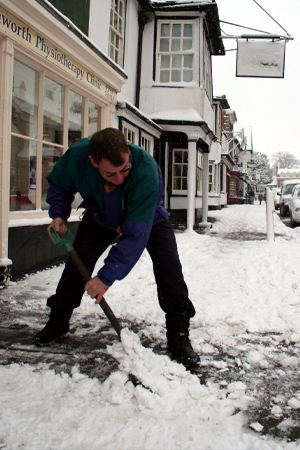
{"x": 141, "y": 66}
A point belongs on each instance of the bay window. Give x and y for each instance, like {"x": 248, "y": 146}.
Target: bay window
{"x": 175, "y": 52}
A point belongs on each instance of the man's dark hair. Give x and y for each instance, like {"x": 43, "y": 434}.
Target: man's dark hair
{"x": 109, "y": 144}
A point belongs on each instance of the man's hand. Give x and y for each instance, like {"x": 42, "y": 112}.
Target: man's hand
{"x": 96, "y": 289}
{"x": 60, "y": 227}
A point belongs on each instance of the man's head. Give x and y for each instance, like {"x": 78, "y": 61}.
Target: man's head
{"x": 110, "y": 154}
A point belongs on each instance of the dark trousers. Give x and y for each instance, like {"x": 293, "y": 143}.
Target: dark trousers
{"x": 92, "y": 240}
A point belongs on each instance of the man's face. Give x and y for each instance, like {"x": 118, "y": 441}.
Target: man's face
{"x": 111, "y": 173}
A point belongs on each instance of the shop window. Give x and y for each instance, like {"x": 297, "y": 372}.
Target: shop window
{"x": 175, "y": 52}
{"x": 35, "y": 150}
{"x": 180, "y": 171}
{"x": 53, "y": 122}
{"x": 23, "y": 174}
{"x": 24, "y": 140}
{"x": 75, "y": 128}
{"x": 116, "y": 31}
{"x": 53, "y": 117}
{"x": 94, "y": 118}
{"x": 232, "y": 187}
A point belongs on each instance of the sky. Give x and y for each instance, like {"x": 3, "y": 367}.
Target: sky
{"x": 267, "y": 107}
{"x": 245, "y": 289}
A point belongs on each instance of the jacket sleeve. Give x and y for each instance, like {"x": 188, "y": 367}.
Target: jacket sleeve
{"x": 126, "y": 253}
{"x": 143, "y": 200}
{"x": 60, "y": 201}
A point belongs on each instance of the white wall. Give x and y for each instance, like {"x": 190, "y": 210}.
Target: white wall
{"x": 99, "y": 34}
{"x": 99, "y": 23}
{"x": 215, "y": 152}
{"x": 131, "y": 51}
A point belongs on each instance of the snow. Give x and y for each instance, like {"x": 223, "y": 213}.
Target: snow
{"x": 200, "y": 2}
{"x": 5, "y": 262}
{"x": 178, "y": 114}
{"x": 260, "y": 59}
{"x": 238, "y": 283}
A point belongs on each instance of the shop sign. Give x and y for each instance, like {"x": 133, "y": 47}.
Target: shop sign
{"x": 26, "y": 36}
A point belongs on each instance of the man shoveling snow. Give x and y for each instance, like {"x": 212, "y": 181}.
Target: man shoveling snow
{"x": 122, "y": 192}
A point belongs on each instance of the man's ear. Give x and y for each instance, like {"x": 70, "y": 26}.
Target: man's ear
{"x": 93, "y": 162}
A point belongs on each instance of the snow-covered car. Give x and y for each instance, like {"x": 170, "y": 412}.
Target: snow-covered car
{"x": 287, "y": 187}
{"x": 276, "y": 193}
{"x": 295, "y": 207}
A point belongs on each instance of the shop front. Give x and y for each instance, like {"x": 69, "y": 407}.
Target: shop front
{"x": 236, "y": 189}
{"x": 55, "y": 89}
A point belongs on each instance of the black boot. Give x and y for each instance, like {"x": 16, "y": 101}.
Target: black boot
{"x": 179, "y": 345}
{"x": 56, "y": 327}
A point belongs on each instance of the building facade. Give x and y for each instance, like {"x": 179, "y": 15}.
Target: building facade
{"x": 56, "y": 88}
{"x": 70, "y": 68}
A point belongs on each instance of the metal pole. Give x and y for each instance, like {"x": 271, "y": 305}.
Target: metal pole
{"x": 270, "y": 219}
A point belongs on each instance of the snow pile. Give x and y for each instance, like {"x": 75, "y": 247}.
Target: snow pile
{"x": 239, "y": 283}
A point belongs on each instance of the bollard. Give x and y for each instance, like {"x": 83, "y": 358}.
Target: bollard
{"x": 270, "y": 219}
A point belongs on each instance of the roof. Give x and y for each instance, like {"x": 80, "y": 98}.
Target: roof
{"x": 212, "y": 17}
{"x": 223, "y": 101}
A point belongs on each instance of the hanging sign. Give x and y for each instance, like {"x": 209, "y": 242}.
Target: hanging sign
{"x": 260, "y": 58}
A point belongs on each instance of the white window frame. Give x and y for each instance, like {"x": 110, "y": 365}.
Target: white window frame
{"x": 199, "y": 182}
{"x": 130, "y": 132}
{"x": 207, "y": 71}
{"x": 181, "y": 52}
{"x": 147, "y": 143}
{"x": 38, "y": 139}
{"x": 211, "y": 178}
{"x": 179, "y": 191}
{"x": 116, "y": 33}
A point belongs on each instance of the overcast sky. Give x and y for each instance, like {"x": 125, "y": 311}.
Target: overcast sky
{"x": 268, "y": 107}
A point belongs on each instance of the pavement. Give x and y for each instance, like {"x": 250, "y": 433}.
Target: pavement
{"x": 21, "y": 316}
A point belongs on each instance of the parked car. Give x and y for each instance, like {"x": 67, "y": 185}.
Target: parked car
{"x": 276, "y": 193}
{"x": 295, "y": 207}
{"x": 287, "y": 187}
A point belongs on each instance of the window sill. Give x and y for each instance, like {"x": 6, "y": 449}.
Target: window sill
{"x": 191, "y": 84}
{"x": 38, "y": 217}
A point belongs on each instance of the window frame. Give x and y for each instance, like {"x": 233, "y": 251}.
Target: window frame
{"x": 199, "y": 170}
{"x": 185, "y": 164}
{"x": 128, "y": 130}
{"x": 116, "y": 33}
{"x": 39, "y": 141}
{"x": 149, "y": 141}
{"x": 189, "y": 52}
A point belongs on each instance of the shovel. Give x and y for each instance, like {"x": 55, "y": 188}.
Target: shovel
{"x": 66, "y": 242}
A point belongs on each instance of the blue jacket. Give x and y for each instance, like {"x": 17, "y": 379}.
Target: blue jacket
{"x": 132, "y": 208}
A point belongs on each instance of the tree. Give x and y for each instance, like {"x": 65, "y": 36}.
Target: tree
{"x": 262, "y": 172}
{"x": 286, "y": 160}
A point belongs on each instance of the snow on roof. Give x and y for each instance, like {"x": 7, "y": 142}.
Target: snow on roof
{"x": 292, "y": 171}
{"x": 188, "y": 115}
{"x": 185, "y": 2}
{"x": 138, "y": 112}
